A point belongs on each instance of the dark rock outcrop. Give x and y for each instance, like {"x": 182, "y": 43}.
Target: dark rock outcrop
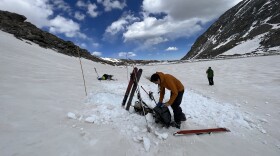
{"x": 15, "y": 24}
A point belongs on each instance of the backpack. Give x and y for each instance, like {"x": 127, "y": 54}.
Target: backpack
{"x": 107, "y": 77}
{"x": 162, "y": 115}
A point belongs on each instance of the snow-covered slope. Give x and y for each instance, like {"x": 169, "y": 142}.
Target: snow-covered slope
{"x": 44, "y": 110}
{"x": 252, "y": 27}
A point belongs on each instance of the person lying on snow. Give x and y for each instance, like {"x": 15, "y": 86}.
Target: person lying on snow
{"x": 105, "y": 77}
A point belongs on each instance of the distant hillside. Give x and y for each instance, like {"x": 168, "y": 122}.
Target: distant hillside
{"x": 15, "y": 24}
{"x": 251, "y": 27}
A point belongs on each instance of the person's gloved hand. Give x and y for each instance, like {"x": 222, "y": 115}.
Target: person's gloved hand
{"x": 160, "y": 104}
{"x": 151, "y": 95}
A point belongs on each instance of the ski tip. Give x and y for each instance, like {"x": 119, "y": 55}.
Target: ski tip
{"x": 225, "y": 129}
{"x": 176, "y": 134}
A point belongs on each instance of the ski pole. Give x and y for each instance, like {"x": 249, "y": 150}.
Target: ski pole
{"x": 139, "y": 98}
{"x": 82, "y": 71}
{"x": 96, "y": 71}
{"x": 150, "y": 95}
{"x": 126, "y": 68}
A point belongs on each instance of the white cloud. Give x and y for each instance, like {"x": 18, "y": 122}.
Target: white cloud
{"x": 127, "y": 54}
{"x": 90, "y": 7}
{"x": 186, "y": 9}
{"x": 83, "y": 45}
{"x": 171, "y": 49}
{"x": 92, "y": 10}
{"x": 37, "y": 12}
{"x": 96, "y": 53}
{"x": 167, "y": 20}
{"x": 154, "y": 41}
{"x": 65, "y": 26}
{"x": 116, "y": 26}
{"x": 95, "y": 45}
{"x": 79, "y": 16}
{"x": 120, "y": 25}
{"x": 60, "y": 4}
{"x": 112, "y": 4}
{"x": 151, "y": 27}
{"x": 81, "y": 4}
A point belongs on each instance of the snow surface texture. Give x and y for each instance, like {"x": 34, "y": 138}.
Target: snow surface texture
{"x": 246, "y": 47}
{"x": 44, "y": 110}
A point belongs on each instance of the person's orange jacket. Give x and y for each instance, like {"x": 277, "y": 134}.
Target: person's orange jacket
{"x": 170, "y": 82}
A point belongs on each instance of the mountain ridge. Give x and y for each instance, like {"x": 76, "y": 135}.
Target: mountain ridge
{"x": 17, "y": 25}
{"x": 241, "y": 23}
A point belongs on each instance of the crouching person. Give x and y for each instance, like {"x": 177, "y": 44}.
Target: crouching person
{"x": 177, "y": 91}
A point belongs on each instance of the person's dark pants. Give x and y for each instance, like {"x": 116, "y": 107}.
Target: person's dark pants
{"x": 211, "y": 81}
{"x": 177, "y": 110}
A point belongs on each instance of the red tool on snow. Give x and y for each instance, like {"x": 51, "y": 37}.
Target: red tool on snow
{"x": 201, "y": 131}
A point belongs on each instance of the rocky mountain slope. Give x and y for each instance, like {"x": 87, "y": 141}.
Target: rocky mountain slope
{"x": 249, "y": 21}
{"x": 15, "y": 24}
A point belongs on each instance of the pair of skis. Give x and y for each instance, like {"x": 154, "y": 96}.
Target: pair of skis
{"x": 130, "y": 91}
{"x": 131, "y": 87}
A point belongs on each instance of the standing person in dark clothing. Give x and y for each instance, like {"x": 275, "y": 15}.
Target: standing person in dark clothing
{"x": 210, "y": 76}
{"x": 177, "y": 91}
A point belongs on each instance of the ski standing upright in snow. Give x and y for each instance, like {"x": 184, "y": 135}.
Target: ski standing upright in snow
{"x": 134, "y": 87}
{"x": 131, "y": 87}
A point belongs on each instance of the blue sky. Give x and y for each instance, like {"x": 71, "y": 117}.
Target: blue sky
{"x": 134, "y": 29}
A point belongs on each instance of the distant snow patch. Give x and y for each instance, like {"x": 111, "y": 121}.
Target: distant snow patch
{"x": 111, "y": 59}
{"x": 226, "y": 42}
{"x": 246, "y": 46}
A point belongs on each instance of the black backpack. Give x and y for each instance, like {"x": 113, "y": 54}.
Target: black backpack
{"x": 107, "y": 76}
{"x": 162, "y": 115}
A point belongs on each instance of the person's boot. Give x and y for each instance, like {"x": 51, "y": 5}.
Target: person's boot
{"x": 183, "y": 117}
{"x": 176, "y": 124}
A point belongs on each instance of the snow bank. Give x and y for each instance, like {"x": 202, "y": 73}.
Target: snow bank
{"x": 103, "y": 106}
